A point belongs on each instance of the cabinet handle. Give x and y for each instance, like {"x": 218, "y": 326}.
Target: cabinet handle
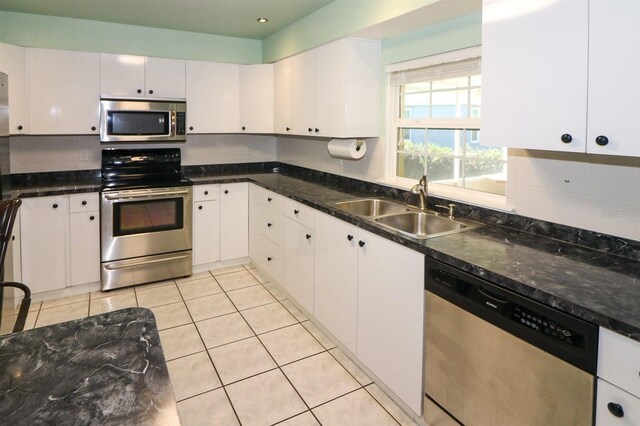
{"x": 361, "y": 243}
{"x": 243, "y": 127}
{"x": 269, "y": 225}
{"x": 93, "y": 127}
{"x": 226, "y": 191}
{"x": 615, "y": 409}
{"x": 190, "y": 127}
{"x": 308, "y": 236}
{"x": 296, "y": 211}
{"x": 206, "y": 192}
{"x": 268, "y": 259}
{"x": 269, "y": 199}
{"x": 151, "y": 92}
{"x": 91, "y": 217}
{"x": 350, "y": 237}
{"x": 139, "y": 90}
{"x": 20, "y": 127}
{"x": 55, "y": 206}
{"x": 84, "y": 202}
{"x": 310, "y": 130}
{"x": 317, "y": 130}
{"x": 13, "y": 238}
{"x": 566, "y": 138}
{"x": 199, "y": 207}
{"x": 602, "y": 140}
{"x": 288, "y": 128}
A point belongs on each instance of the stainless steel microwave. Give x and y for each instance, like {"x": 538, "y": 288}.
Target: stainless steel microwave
{"x": 142, "y": 121}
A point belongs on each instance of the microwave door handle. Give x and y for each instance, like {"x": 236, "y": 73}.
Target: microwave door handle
{"x": 112, "y": 197}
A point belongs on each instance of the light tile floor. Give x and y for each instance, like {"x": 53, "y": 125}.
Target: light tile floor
{"x": 239, "y": 352}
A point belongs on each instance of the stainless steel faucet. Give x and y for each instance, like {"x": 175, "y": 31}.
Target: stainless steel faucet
{"x": 422, "y": 189}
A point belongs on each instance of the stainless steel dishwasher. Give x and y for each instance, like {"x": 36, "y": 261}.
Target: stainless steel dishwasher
{"x": 493, "y": 357}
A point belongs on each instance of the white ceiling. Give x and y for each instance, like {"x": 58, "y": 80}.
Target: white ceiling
{"x": 235, "y": 18}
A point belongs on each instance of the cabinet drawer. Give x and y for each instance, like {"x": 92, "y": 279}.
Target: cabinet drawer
{"x": 206, "y": 192}
{"x": 88, "y": 202}
{"x": 266, "y": 198}
{"x": 270, "y": 258}
{"x": 616, "y": 407}
{"x": 271, "y": 225}
{"x": 619, "y": 361}
{"x": 300, "y": 213}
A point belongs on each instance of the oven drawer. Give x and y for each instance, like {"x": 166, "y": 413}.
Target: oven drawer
{"x": 619, "y": 361}
{"x": 88, "y": 202}
{"x": 145, "y": 269}
{"x": 206, "y": 192}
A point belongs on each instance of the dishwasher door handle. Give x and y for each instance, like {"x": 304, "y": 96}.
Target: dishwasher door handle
{"x": 491, "y": 301}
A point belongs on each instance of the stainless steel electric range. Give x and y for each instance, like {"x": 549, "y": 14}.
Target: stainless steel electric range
{"x": 146, "y": 214}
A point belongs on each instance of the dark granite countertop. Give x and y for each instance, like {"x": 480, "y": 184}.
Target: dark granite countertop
{"x": 105, "y": 369}
{"x": 599, "y": 287}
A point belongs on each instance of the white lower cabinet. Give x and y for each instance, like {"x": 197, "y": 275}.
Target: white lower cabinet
{"x": 298, "y": 262}
{"x": 206, "y": 232}
{"x": 234, "y": 214}
{"x": 84, "y": 237}
{"x": 615, "y": 407}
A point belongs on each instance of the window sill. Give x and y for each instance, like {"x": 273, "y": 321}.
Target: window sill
{"x": 476, "y": 198}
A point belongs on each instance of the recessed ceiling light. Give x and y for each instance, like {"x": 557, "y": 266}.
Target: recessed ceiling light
{"x": 262, "y": 20}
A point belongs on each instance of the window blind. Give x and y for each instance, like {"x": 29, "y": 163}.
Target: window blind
{"x": 436, "y": 72}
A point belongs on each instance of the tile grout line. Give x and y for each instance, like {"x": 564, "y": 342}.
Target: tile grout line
{"x": 379, "y": 403}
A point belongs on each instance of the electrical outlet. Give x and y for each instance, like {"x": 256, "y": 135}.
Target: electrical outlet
{"x": 83, "y": 155}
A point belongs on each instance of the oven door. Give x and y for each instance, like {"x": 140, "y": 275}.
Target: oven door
{"x": 145, "y": 222}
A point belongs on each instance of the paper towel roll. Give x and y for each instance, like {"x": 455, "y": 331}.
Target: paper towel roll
{"x": 349, "y": 149}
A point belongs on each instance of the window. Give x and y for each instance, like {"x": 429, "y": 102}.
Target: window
{"x": 436, "y": 125}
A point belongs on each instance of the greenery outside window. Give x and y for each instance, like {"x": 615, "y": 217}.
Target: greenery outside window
{"x": 436, "y": 127}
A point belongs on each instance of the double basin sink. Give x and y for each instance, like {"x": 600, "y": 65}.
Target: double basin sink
{"x": 406, "y": 219}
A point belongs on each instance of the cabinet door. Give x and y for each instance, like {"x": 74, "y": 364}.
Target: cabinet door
{"x": 331, "y": 88}
{"x": 122, "y": 75}
{"x": 234, "y": 222}
{"x": 84, "y": 238}
{"x": 64, "y": 91}
{"x": 304, "y": 93}
{"x": 299, "y": 251}
{"x": 391, "y": 315}
{"x": 534, "y": 74}
{"x": 256, "y": 98}
{"x": 13, "y": 62}
{"x": 282, "y": 94}
{"x": 614, "y": 58}
{"x": 165, "y": 78}
{"x": 43, "y": 247}
{"x": 335, "y": 280}
{"x": 206, "y": 232}
{"x": 213, "y": 96}
{"x": 618, "y": 398}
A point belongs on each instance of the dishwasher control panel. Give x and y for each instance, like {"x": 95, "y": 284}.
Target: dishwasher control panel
{"x": 544, "y": 325}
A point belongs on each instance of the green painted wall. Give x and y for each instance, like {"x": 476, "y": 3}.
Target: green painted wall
{"x": 79, "y": 34}
{"x": 337, "y": 19}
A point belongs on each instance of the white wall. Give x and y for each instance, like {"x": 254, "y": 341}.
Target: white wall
{"x": 58, "y": 153}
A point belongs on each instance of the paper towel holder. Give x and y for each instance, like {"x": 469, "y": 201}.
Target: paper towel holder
{"x": 359, "y": 143}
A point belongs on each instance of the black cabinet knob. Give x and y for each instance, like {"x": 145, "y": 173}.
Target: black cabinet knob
{"x": 13, "y": 238}
{"x": 199, "y": 207}
{"x": 615, "y": 409}
{"x": 206, "y": 192}
{"x": 151, "y": 92}
{"x": 190, "y": 127}
{"x": 91, "y": 217}
{"x": 84, "y": 202}
{"x": 350, "y": 237}
{"x": 296, "y": 211}
{"x": 93, "y": 127}
{"x": 308, "y": 236}
{"x": 269, "y": 225}
{"x": 243, "y": 128}
{"x": 268, "y": 259}
{"x": 310, "y": 130}
{"x": 139, "y": 90}
{"x": 566, "y": 138}
{"x": 55, "y": 206}
{"x": 317, "y": 130}
{"x": 269, "y": 199}
{"x": 226, "y": 191}
{"x": 361, "y": 243}
{"x": 288, "y": 128}
{"x": 19, "y": 127}
{"x": 602, "y": 140}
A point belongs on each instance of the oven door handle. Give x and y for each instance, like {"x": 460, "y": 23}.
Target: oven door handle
{"x": 131, "y": 265}
{"x": 112, "y": 197}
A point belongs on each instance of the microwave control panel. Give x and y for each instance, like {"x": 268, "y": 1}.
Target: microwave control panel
{"x": 181, "y": 119}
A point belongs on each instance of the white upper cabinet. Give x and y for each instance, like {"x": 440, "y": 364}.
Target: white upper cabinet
{"x": 139, "y": 76}
{"x": 63, "y": 91}
{"x": 256, "y": 98}
{"x": 213, "y": 97}
{"x": 534, "y": 74}
{"x": 13, "y": 62}
{"x": 614, "y": 59}
{"x": 336, "y": 89}
{"x": 282, "y": 95}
